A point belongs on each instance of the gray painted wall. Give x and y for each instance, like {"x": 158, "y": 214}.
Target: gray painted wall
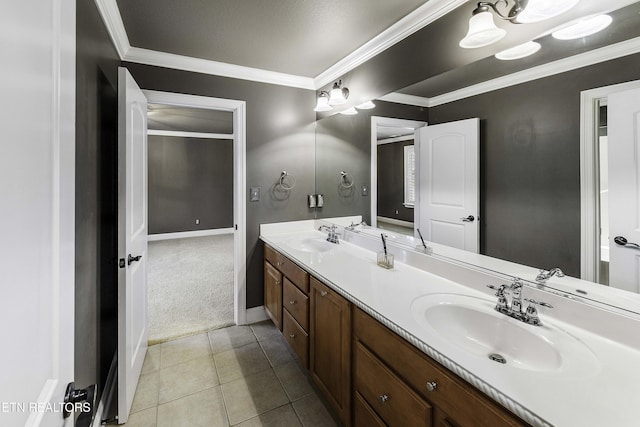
{"x": 280, "y": 136}
{"x": 343, "y": 143}
{"x": 189, "y": 179}
{"x": 530, "y": 163}
{"x": 391, "y": 181}
{"x": 96, "y": 199}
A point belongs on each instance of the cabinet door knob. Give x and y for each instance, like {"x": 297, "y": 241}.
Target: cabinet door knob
{"x": 431, "y": 385}
{"x": 292, "y": 336}
{"x": 292, "y": 302}
{"x": 277, "y": 282}
{"x": 384, "y": 398}
{"x": 323, "y": 293}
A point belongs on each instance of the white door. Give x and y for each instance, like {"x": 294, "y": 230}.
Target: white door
{"x": 132, "y": 238}
{"x": 37, "y": 211}
{"x": 623, "y": 118}
{"x": 447, "y": 186}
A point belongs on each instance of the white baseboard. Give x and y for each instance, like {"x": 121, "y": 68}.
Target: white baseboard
{"x": 256, "y": 314}
{"x": 186, "y": 234}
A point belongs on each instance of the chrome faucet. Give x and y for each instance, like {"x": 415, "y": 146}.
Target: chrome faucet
{"x": 332, "y": 236}
{"x": 545, "y": 275}
{"x": 529, "y": 316}
{"x": 354, "y": 225}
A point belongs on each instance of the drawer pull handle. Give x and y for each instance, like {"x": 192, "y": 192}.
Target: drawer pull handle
{"x": 432, "y": 386}
{"x": 292, "y": 336}
{"x": 292, "y": 302}
{"x": 384, "y": 398}
{"x": 323, "y": 293}
{"x": 277, "y": 282}
{"x": 280, "y": 263}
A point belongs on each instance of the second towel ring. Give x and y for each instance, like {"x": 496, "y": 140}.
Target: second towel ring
{"x": 282, "y": 183}
{"x": 346, "y": 180}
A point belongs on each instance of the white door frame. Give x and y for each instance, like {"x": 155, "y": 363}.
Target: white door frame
{"x": 590, "y": 178}
{"x": 238, "y": 108}
{"x": 375, "y": 122}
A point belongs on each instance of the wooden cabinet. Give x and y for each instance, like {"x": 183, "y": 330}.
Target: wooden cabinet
{"x": 330, "y": 347}
{"x": 273, "y": 293}
{"x": 286, "y": 300}
{"x": 455, "y": 402}
{"x": 394, "y": 402}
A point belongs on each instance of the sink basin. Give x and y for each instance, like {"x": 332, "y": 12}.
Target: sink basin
{"x": 471, "y": 324}
{"x": 311, "y": 244}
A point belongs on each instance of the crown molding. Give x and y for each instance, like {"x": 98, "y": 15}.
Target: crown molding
{"x": 416, "y": 20}
{"x": 403, "y": 98}
{"x": 186, "y": 63}
{"x": 115, "y": 27}
{"x": 596, "y": 56}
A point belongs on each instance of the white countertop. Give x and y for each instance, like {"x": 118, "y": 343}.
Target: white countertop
{"x": 604, "y": 391}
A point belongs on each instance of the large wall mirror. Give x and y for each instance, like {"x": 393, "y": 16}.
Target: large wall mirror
{"x": 539, "y": 129}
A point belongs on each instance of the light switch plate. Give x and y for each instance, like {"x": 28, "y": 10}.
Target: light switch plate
{"x": 254, "y": 194}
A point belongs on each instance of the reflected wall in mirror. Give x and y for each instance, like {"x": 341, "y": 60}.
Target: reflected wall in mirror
{"x": 343, "y": 144}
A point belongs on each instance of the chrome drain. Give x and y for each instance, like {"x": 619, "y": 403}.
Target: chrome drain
{"x": 498, "y": 358}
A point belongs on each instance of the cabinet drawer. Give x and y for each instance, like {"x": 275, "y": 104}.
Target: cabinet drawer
{"x": 363, "y": 415}
{"x": 297, "y": 275}
{"x": 297, "y": 303}
{"x": 453, "y": 395}
{"x": 296, "y": 337}
{"x": 386, "y": 394}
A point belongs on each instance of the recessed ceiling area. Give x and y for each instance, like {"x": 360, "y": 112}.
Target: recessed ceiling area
{"x": 299, "y": 37}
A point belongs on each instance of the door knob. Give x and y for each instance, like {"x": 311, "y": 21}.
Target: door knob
{"x": 469, "y": 218}
{"x": 132, "y": 259}
{"x": 623, "y": 242}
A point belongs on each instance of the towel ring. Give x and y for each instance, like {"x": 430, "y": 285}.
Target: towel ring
{"x": 346, "y": 180}
{"x": 282, "y": 183}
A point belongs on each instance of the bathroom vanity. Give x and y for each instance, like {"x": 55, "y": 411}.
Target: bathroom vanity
{"x": 412, "y": 345}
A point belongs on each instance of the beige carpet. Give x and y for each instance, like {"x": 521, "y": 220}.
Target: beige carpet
{"x": 189, "y": 286}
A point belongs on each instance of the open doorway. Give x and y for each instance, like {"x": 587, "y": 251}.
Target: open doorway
{"x": 393, "y": 178}
{"x": 196, "y": 254}
{"x": 608, "y": 184}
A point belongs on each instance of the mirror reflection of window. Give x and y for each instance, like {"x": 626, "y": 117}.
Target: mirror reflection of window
{"x": 409, "y": 176}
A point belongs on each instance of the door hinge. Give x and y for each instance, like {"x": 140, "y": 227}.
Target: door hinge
{"x": 236, "y": 227}
{"x": 122, "y": 263}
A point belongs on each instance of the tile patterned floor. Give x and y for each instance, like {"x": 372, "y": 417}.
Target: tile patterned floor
{"x": 237, "y": 376}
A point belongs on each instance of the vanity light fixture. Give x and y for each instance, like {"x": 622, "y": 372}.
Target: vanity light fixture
{"x": 521, "y": 51}
{"x": 349, "y": 111}
{"x": 368, "y": 105}
{"x": 338, "y": 94}
{"x": 583, "y": 28}
{"x": 323, "y": 102}
{"x": 483, "y": 30}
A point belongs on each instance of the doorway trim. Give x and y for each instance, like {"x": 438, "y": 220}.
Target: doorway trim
{"x": 590, "y": 178}
{"x": 238, "y": 108}
{"x": 375, "y": 122}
